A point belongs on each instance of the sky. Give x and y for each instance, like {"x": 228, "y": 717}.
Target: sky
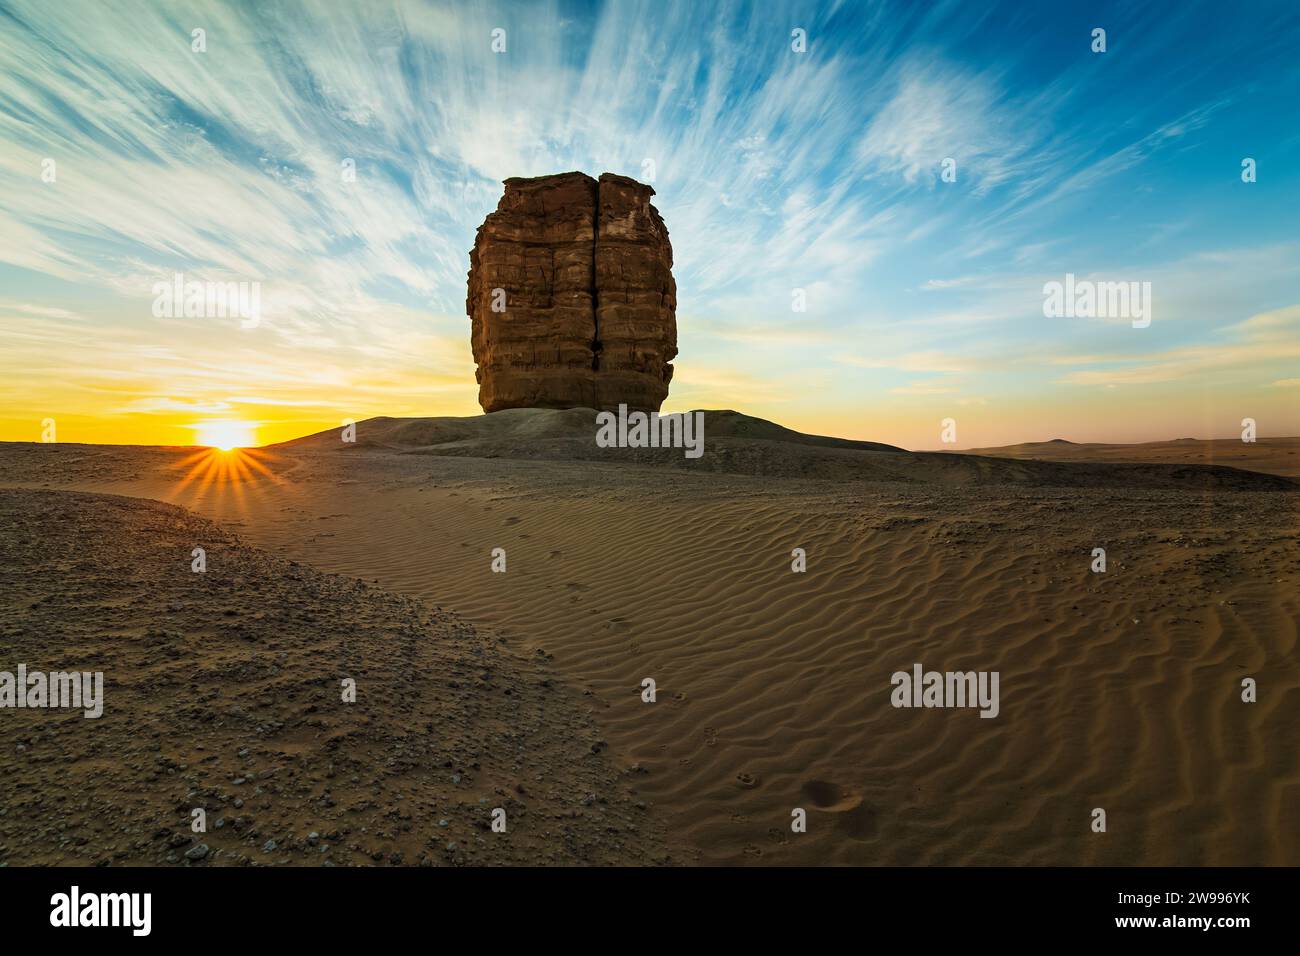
{"x": 915, "y": 173}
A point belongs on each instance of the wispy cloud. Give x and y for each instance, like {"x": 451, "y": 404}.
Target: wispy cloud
{"x": 776, "y": 171}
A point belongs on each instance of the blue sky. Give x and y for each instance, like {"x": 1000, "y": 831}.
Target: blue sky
{"x": 775, "y": 170}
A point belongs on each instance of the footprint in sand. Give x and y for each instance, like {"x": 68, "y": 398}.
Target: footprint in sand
{"x": 746, "y": 781}
{"x": 853, "y": 818}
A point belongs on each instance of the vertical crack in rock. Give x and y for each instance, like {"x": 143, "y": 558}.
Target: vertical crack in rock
{"x": 589, "y": 319}
{"x": 596, "y": 345}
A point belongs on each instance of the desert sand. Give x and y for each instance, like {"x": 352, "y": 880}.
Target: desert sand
{"x": 1118, "y": 690}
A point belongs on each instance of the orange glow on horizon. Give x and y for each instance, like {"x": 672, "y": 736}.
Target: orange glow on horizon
{"x": 225, "y": 435}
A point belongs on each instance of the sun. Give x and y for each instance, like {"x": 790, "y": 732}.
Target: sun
{"x": 225, "y": 435}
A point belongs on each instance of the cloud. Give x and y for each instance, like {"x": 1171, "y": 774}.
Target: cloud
{"x": 922, "y": 388}
{"x": 938, "y": 111}
{"x": 774, "y": 171}
{"x": 1255, "y": 344}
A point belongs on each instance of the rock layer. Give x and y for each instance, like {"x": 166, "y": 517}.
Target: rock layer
{"x": 571, "y": 296}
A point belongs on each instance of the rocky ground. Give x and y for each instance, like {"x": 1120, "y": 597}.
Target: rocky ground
{"x": 223, "y": 692}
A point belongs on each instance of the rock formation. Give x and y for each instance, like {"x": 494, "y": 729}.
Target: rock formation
{"x": 571, "y": 296}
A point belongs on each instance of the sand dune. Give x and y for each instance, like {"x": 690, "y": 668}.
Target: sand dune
{"x": 1119, "y": 690}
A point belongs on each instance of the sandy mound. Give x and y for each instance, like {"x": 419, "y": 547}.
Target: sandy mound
{"x": 741, "y": 444}
{"x": 522, "y": 425}
{"x": 222, "y": 690}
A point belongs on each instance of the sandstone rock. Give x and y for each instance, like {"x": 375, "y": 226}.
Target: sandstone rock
{"x": 585, "y": 273}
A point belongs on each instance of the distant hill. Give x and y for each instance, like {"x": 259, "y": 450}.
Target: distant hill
{"x": 1275, "y": 456}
